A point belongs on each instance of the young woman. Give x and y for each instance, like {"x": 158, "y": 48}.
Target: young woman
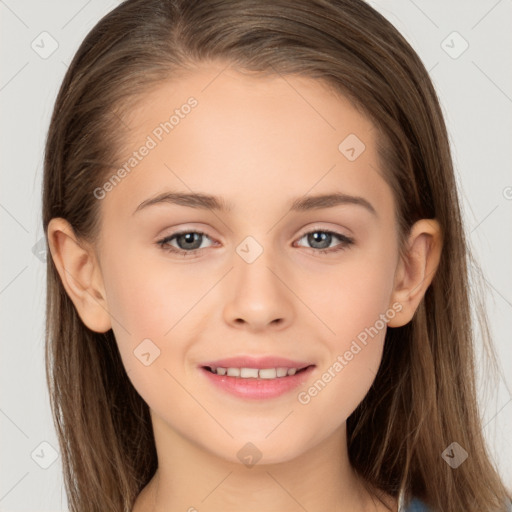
{"x": 258, "y": 292}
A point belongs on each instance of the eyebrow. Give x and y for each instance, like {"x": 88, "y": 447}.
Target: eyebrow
{"x": 300, "y": 204}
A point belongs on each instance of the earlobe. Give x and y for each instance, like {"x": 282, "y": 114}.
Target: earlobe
{"x": 416, "y": 269}
{"x": 80, "y": 274}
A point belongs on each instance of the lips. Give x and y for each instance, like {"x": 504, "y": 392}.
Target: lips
{"x": 256, "y": 377}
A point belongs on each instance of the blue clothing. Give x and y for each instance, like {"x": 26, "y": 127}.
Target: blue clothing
{"x": 416, "y": 505}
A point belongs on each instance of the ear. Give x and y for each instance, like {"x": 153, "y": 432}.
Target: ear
{"x": 416, "y": 269}
{"x": 80, "y": 274}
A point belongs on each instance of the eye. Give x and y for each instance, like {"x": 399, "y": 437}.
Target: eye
{"x": 189, "y": 242}
{"x": 320, "y": 240}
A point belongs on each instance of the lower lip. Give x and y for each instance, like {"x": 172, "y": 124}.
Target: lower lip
{"x": 258, "y": 388}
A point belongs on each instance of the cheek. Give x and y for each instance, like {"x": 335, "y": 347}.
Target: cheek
{"x": 145, "y": 303}
{"x": 356, "y": 310}
{"x": 357, "y": 293}
{"x": 352, "y": 360}
{"x": 147, "y": 299}
{"x": 338, "y": 388}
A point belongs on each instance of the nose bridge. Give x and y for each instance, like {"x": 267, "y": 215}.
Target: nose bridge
{"x": 257, "y": 295}
{"x": 256, "y": 265}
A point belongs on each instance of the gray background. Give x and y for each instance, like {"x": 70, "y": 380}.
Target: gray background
{"x": 475, "y": 88}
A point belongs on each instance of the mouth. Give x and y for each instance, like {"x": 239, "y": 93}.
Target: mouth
{"x": 261, "y": 379}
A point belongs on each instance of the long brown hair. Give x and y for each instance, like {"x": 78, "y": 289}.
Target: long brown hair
{"x": 423, "y": 397}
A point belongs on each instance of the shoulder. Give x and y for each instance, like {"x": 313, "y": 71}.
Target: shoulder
{"x": 417, "y": 505}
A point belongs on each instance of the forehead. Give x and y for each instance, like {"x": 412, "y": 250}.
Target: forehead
{"x": 236, "y": 99}
{"x": 237, "y": 134}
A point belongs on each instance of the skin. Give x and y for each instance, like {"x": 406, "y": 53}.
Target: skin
{"x": 258, "y": 143}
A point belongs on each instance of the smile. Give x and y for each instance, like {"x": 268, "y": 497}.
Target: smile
{"x": 256, "y": 383}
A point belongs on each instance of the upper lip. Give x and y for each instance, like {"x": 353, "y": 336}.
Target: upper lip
{"x": 256, "y": 362}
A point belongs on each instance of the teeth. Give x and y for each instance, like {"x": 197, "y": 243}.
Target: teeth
{"x": 254, "y": 373}
{"x": 267, "y": 373}
{"x": 245, "y": 373}
{"x": 282, "y": 372}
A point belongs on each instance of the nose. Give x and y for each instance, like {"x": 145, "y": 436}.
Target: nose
{"x": 259, "y": 295}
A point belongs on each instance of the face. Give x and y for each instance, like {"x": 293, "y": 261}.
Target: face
{"x": 268, "y": 275}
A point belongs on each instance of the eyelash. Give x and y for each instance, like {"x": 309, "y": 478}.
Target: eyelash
{"x": 164, "y": 242}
